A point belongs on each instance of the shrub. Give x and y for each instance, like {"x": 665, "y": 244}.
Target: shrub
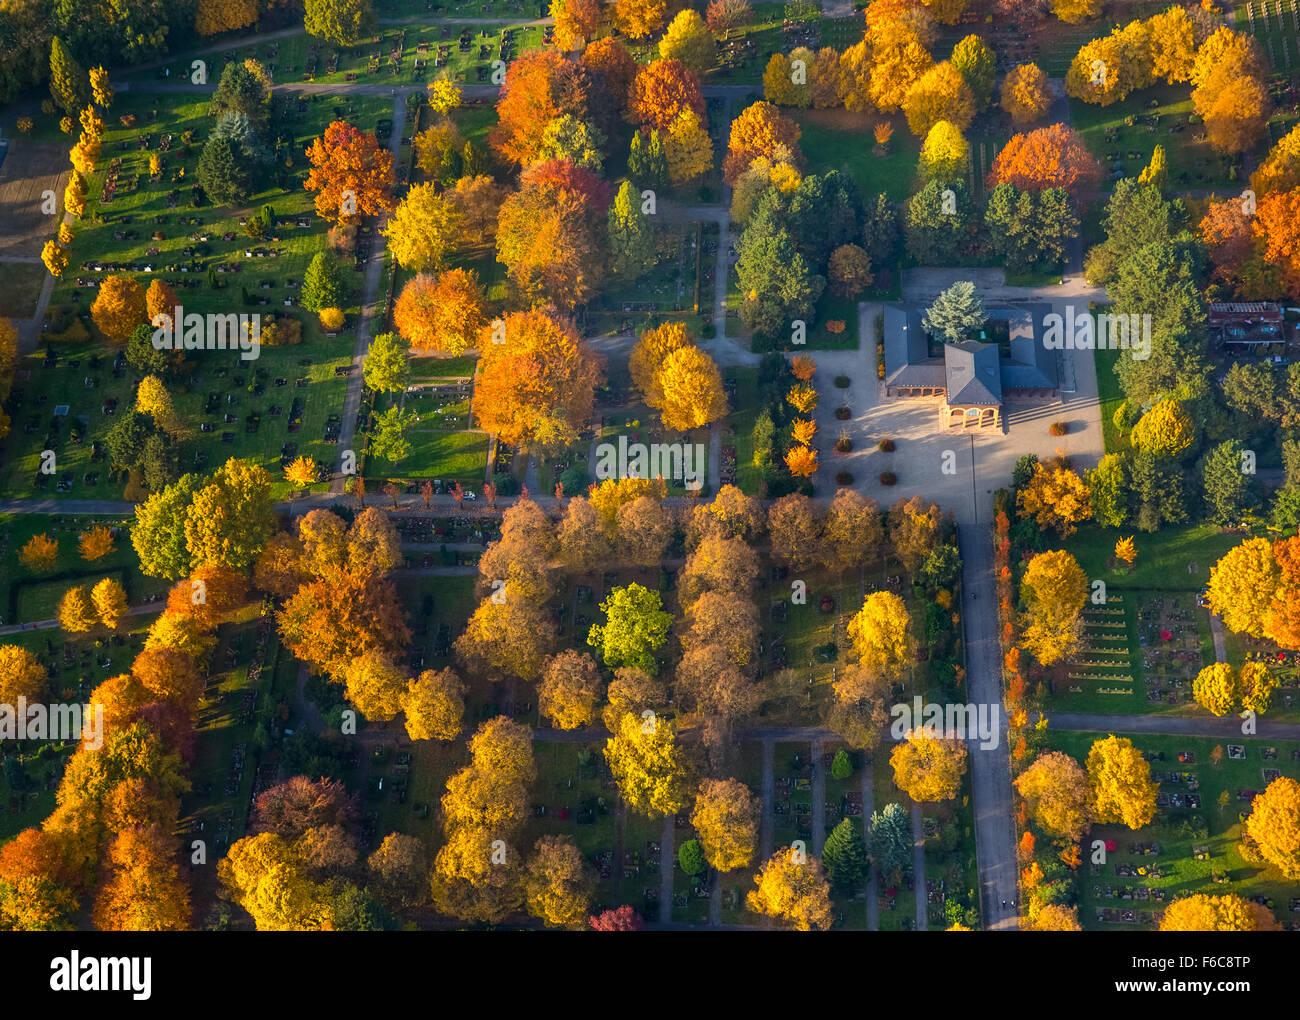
{"x": 24, "y": 124}
{"x": 888, "y": 478}
{"x": 841, "y": 767}
{"x": 844, "y": 444}
{"x": 842, "y": 382}
{"x": 843, "y": 413}
{"x": 885, "y": 446}
{"x": 331, "y": 318}
{"x": 1059, "y": 428}
{"x": 844, "y": 478}
{"x": 835, "y": 326}
{"x": 691, "y": 857}
{"x": 506, "y": 483}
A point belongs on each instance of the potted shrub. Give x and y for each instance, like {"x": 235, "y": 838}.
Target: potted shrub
{"x": 885, "y": 446}
{"x": 1059, "y": 428}
{"x": 888, "y": 478}
{"x": 843, "y": 413}
{"x": 844, "y": 478}
{"x": 841, "y": 382}
{"x": 844, "y": 444}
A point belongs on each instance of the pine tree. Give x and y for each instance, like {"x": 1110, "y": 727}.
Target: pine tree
{"x": 69, "y": 83}
{"x": 322, "y": 284}
{"x": 647, "y": 163}
{"x": 844, "y": 856}
{"x": 955, "y": 312}
{"x": 891, "y": 838}
{"x": 225, "y": 178}
{"x": 631, "y": 237}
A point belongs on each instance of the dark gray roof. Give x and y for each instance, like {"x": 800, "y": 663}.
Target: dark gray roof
{"x": 1032, "y": 365}
{"x": 972, "y": 374}
{"x": 907, "y": 351}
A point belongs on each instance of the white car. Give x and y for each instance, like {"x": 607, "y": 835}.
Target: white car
{"x": 469, "y": 494}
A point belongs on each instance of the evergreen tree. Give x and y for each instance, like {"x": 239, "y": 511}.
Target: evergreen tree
{"x": 647, "y": 162}
{"x": 880, "y": 232}
{"x": 891, "y": 839}
{"x": 69, "y": 82}
{"x": 844, "y": 856}
{"x": 243, "y": 89}
{"x": 323, "y": 285}
{"x": 226, "y": 178}
{"x": 935, "y": 223}
{"x": 1226, "y": 488}
{"x": 631, "y": 237}
{"x": 955, "y": 313}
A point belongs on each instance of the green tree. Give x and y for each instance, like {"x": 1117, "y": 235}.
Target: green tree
{"x": 690, "y": 855}
{"x": 978, "y": 66}
{"x": 880, "y": 231}
{"x": 891, "y": 839}
{"x": 631, "y": 237}
{"x": 389, "y": 440}
{"x": 776, "y": 283}
{"x": 1108, "y": 490}
{"x": 323, "y": 285}
{"x": 143, "y": 356}
{"x": 227, "y": 178}
{"x": 69, "y": 82}
{"x": 635, "y": 628}
{"x": 935, "y": 223}
{"x": 342, "y": 22}
{"x": 647, "y": 161}
{"x": 245, "y": 87}
{"x": 387, "y": 368}
{"x": 159, "y": 531}
{"x": 844, "y": 856}
{"x": 956, "y": 312}
{"x": 841, "y": 766}
{"x": 1226, "y": 488}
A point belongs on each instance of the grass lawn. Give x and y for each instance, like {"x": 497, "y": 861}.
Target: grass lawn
{"x": 840, "y": 140}
{"x": 1160, "y": 116}
{"x": 20, "y": 289}
{"x": 1178, "y": 831}
{"x": 740, "y": 427}
{"x": 1111, "y": 396}
{"x": 434, "y": 454}
{"x": 1172, "y": 559}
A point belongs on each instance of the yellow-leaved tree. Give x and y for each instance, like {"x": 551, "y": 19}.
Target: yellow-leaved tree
{"x": 1120, "y": 781}
{"x": 1056, "y": 497}
{"x": 1274, "y": 825}
{"x": 1054, "y": 590}
{"x": 792, "y": 889}
{"x": 647, "y": 764}
{"x": 725, "y": 818}
{"x": 928, "y": 768}
{"x": 693, "y": 394}
{"x": 881, "y": 632}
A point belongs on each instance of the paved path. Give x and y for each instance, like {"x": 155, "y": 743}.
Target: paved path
{"x": 818, "y": 799}
{"x": 767, "y": 793}
{"x": 868, "y": 809}
{"x": 918, "y": 869}
{"x": 21, "y": 628}
{"x": 1220, "y": 640}
{"x": 990, "y": 769}
{"x": 370, "y": 307}
{"x": 667, "y": 857}
{"x": 1193, "y": 726}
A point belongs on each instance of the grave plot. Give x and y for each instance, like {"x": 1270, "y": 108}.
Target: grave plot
{"x": 1192, "y": 846}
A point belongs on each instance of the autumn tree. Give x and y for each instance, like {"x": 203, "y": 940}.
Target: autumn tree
{"x": 21, "y": 675}
{"x": 661, "y": 91}
{"x": 689, "y": 41}
{"x": 540, "y": 85}
{"x": 1025, "y": 94}
{"x": 881, "y": 633}
{"x": 688, "y": 148}
{"x": 230, "y": 518}
{"x": 941, "y": 94}
{"x": 1119, "y": 779}
{"x": 759, "y": 131}
{"x": 1050, "y": 157}
{"x": 1274, "y": 825}
{"x": 928, "y": 768}
{"x": 76, "y": 613}
{"x": 39, "y": 554}
{"x": 1166, "y": 431}
{"x": 718, "y": 564}
{"x": 143, "y": 889}
{"x": 1055, "y": 497}
{"x": 791, "y": 889}
{"x": 725, "y": 817}
{"x": 558, "y": 888}
{"x": 537, "y": 388}
{"x": 898, "y": 59}
{"x": 647, "y": 763}
{"x": 118, "y": 307}
{"x": 577, "y": 22}
{"x": 1055, "y": 788}
{"x": 693, "y": 393}
{"x": 1201, "y": 912}
{"x": 1054, "y": 590}
{"x": 569, "y": 690}
{"x": 509, "y": 634}
{"x": 853, "y": 532}
{"x": 351, "y": 175}
{"x": 329, "y": 623}
{"x": 109, "y": 600}
{"x": 648, "y": 356}
{"x": 945, "y": 154}
{"x": 1230, "y": 92}
{"x": 1243, "y": 584}
{"x": 637, "y": 19}
{"x": 422, "y": 229}
{"x": 914, "y": 529}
